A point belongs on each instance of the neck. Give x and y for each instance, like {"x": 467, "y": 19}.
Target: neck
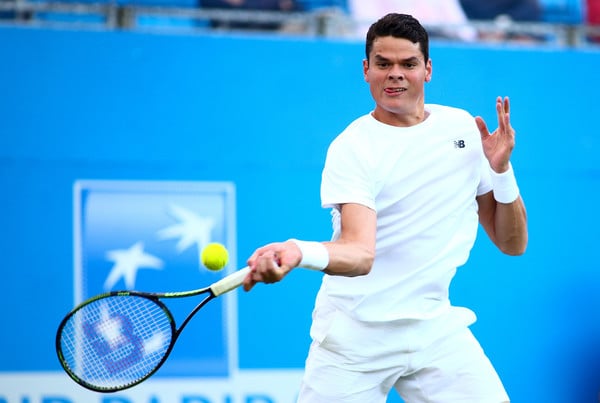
{"x": 401, "y": 119}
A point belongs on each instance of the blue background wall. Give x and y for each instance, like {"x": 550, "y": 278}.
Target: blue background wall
{"x": 260, "y": 113}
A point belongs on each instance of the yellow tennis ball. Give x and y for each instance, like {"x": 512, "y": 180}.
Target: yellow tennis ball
{"x": 214, "y": 256}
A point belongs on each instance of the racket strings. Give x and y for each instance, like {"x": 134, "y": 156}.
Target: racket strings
{"x": 116, "y": 341}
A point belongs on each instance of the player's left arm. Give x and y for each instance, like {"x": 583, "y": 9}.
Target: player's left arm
{"x": 502, "y": 211}
{"x": 505, "y": 223}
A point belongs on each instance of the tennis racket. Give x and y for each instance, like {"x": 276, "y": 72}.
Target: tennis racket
{"x": 118, "y": 339}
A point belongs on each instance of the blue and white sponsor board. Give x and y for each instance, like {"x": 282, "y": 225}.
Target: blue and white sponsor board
{"x": 261, "y": 386}
{"x": 147, "y": 236}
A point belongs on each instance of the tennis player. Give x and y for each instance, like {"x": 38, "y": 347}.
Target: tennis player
{"x": 407, "y": 185}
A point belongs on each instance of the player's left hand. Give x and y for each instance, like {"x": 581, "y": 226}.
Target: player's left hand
{"x": 498, "y": 146}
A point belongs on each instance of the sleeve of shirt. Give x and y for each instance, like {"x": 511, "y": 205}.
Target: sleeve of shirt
{"x": 485, "y": 183}
{"x": 346, "y": 176}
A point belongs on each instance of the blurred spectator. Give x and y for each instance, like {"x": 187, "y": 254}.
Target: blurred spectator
{"x": 517, "y": 10}
{"x": 592, "y": 17}
{"x": 442, "y": 18}
{"x": 250, "y": 5}
{"x": 593, "y": 12}
{"x": 6, "y": 14}
{"x": 504, "y": 12}
{"x": 11, "y": 14}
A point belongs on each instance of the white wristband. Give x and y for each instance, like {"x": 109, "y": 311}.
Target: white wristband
{"x": 314, "y": 255}
{"x": 505, "y": 185}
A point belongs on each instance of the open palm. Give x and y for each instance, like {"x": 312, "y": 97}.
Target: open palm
{"x": 498, "y": 145}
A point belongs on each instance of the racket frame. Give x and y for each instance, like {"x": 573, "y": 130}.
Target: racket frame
{"x": 216, "y": 289}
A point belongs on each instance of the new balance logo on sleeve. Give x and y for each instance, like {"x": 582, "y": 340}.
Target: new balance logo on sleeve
{"x": 459, "y": 144}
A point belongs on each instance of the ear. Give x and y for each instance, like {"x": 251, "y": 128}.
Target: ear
{"x": 366, "y": 69}
{"x": 428, "y": 71}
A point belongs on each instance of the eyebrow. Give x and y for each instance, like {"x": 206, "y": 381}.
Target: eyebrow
{"x": 412, "y": 59}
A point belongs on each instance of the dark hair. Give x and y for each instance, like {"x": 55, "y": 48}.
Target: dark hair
{"x": 399, "y": 26}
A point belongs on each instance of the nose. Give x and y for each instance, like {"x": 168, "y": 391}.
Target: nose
{"x": 396, "y": 73}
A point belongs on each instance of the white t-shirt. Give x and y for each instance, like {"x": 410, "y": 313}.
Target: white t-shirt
{"x": 422, "y": 182}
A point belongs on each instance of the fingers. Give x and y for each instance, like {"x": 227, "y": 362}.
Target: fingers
{"x": 271, "y": 263}
{"x": 507, "y": 113}
{"x": 503, "y": 112}
{"x": 249, "y": 282}
{"x": 265, "y": 270}
{"x": 483, "y": 130}
{"x": 269, "y": 250}
{"x": 264, "y": 267}
{"x": 503, "y": 104}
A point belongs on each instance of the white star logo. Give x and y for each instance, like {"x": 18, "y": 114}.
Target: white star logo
{"x": 192, "y": 229}
{"x": 127, "y": 263}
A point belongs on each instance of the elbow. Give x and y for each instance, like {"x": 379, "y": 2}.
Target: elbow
{"x": 515, "y": 248}
{"x": 513, "y": 251}
{"x": 366, "y": 265}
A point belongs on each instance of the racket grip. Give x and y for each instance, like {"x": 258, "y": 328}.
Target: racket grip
{"x": 234, "y": 280}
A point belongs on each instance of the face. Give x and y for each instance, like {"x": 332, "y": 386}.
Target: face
{"x": 396, "y": 73}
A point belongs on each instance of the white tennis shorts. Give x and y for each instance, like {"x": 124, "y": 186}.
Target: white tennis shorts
{"x": 424, "y": 361}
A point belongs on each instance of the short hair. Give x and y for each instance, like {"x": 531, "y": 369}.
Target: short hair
{"x": 399, "y": 26}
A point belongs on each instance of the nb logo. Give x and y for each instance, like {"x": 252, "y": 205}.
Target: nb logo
{"x": 459, "y": 144}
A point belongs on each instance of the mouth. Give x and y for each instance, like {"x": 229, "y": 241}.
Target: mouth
{"x": 394, "y": 90}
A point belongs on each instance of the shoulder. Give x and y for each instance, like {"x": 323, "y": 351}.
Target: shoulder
{"x": 448, "y": 111}
{"x": 354, "y": 134}
{"x": 451, "y": 117}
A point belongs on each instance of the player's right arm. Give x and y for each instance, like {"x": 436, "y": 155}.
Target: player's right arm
{"x": 352, "y": 254}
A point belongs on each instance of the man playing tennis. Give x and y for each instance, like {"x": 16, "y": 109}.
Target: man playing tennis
{"x": 407, "y": 185}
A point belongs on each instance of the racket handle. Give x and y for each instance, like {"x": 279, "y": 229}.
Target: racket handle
{"x": 234, "y": 280}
